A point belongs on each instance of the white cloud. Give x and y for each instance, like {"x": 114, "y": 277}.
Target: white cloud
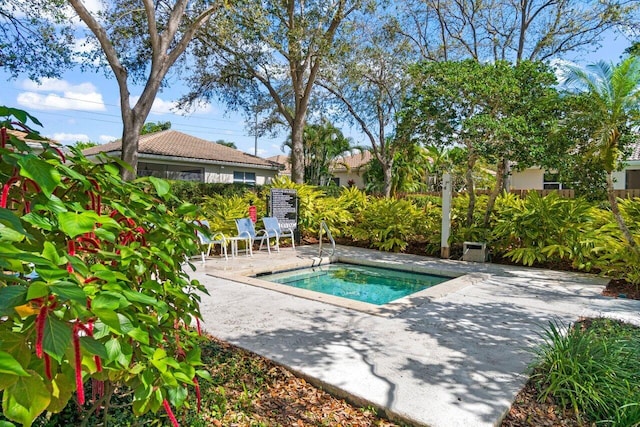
{"x": 107, "y": 138}
{"x": 561, "y": 68}
{"x": 56, "y": 94}
{"x": 161, "y": 106}
{"x": 70, "y": 137}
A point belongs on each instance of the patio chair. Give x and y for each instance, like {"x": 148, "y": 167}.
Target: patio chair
{"x": 272, "y": 226}
{"x": 247, "y": 230}
{"x": 208, "y": 240}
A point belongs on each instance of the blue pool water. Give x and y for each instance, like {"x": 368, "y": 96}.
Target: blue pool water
{"x": 373, "y": 285}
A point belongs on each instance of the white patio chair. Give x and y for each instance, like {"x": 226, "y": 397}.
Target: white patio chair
{"x": 272, "y": 227}
{"x": 208, "y": 240}
{"x": 247, "y": 230}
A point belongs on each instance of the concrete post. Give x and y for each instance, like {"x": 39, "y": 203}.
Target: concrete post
{"x": 446, "y": 215}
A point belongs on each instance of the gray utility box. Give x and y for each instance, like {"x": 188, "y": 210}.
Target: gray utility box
{"x": 474, "y": 251}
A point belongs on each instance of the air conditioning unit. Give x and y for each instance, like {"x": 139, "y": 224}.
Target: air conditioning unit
{"x": 474, "y": 251}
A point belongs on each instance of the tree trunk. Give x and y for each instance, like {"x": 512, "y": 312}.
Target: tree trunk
{"x": 500, "y": 171}
{"x": 387, "y": 169}
{"x": 130, "y": 138}
{"x": 615, "y": 210}
{"x": 297, "y": 150}
{"x": 470, "y": 189}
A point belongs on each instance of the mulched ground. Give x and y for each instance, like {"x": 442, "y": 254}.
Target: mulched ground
{"x": 621, "y": 289}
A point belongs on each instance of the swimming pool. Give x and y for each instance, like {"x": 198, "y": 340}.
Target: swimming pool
{"x": 373, "y": 285}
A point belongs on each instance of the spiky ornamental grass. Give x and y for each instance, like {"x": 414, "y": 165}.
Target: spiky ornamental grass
{"x": 593, "y": 368}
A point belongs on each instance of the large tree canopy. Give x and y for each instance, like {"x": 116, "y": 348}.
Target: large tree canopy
{"x": 269, "y": 50}
{"x": 497, "y": 111}
{"x": 368, "y": 81}
{"x": 141, "y": 40}
{"x": 509, "y": 30}
{"x": 35, "y": 38}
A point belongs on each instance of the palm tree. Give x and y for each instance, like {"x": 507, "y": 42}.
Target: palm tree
{"x": 614, "y": 92}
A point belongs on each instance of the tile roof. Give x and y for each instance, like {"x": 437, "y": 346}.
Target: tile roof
{"x": 284, "y": 160}
{"x": 353, "y": 162}
{"x": 171, "y": 143}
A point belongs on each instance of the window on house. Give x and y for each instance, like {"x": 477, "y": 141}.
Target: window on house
{"x": 632, "y": 180}
{"x": 182, "y": 173}
{"x": 244, "y": 178}
{"x": 552, "y": 182}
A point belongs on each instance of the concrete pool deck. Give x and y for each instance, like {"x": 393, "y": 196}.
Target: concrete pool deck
{"x": 454, "y": 357}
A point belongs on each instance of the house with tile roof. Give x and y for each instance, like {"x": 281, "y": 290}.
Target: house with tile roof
{"x": 175, "y": 155}
{"x": 346, "y": 171}
{"x": 349, "y": 171}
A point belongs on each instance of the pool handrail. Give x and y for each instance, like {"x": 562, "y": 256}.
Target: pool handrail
{"x": 325, "y": 227}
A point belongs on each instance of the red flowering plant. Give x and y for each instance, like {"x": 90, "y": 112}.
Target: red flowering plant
{"x": 92, "y": 286}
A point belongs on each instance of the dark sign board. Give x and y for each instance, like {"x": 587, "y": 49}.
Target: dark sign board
{"x": 284, "y": 206}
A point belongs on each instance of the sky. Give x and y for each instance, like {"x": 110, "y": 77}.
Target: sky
{"x": 84, "y": 106}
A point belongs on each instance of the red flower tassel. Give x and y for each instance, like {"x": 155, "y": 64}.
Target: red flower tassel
{"x": 47, "y": 366}
{"x": 172, "y": 417}
{"x": 40, "y": 319}
{"x": 71, "y": 248}
{"x": 198, "y": 327}
{"x": 198, "y": 396}
{"x": 5, "y": 191}
{"x": 78, "y": 360}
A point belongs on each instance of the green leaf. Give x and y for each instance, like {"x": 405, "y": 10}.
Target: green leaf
{"x": 12, "y": 296}
{"x": 69, "y": 291}
{"x": 44, "y": 174}
{"x": 106, "y": 301}
{"x": 115, "y": 353}
{"x": 186, "y": 208}
{"x": 103, "y": 234}
{"x": 51, "y": 253}
{"x": 92, "y": 346}
{"x": 10, "y": 222}
{"x": 75, "y": 224}
{"x": 108, "y": 317}
{"x": 26, "y": 399}
{"x": 139, "y": 335}
{"x": 139, "y": 297}
{"x": 162, "y": 187}
{"x": 36, "y": 290}
{"x": 63, "y": 386}
{"x": 56, "y": 338}
{"x": 39, "y": 221}
{"x": 9, "y": 365}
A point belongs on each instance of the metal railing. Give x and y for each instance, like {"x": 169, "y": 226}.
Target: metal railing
{"x": 325, "y": 228}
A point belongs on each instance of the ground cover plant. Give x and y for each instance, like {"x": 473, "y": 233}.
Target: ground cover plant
{"x": 244, "y": 390}
{"x": 588, "y": 374}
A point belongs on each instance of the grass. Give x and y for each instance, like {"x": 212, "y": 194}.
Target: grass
{"x": 245, "y": 390}
{"x": 593, "y": 369}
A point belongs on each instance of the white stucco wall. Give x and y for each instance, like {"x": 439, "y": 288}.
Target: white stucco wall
{"x": 346, "y": 176}
{"x": 528, "y": 179}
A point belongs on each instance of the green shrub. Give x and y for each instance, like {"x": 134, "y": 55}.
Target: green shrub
{"x": 222, "y": 211}
{"x": 109, "y": 301}
{"x": 387, "y": 223}
{"x": 539, "y": 229}
{"x": 593, "y": 369}
{"x": 195, "y": 192}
